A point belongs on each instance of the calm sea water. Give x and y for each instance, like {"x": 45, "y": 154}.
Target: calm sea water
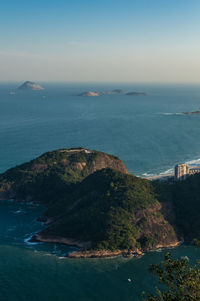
{"x": 147, "y": 133}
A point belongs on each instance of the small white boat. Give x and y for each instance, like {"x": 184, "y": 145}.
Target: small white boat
{"x": 129, "y": 280}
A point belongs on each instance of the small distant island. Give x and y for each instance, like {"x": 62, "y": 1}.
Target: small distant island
{"x": 136, "y": 94}
{"x": 30, "y": 86}
{"x": 89, "y": 94}
{"x": 115, "y": 91}
{"x": 191, "y": 113}
{"x": 92, "y": 93}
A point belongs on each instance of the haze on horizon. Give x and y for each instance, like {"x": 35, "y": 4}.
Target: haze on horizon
{"x": 92, "y": 40}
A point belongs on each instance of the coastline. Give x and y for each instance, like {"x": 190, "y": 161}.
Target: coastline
{"x": 161, "y": 177}
{"x": 169, "y": 173}
{"x": 116, "y": 253}
{"x": 156, "y": 223}
{"x": 85, "y": 252}
{"x": 60, "y": 240}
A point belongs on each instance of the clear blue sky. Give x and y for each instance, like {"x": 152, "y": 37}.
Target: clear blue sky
{"x": 83, "y": 40}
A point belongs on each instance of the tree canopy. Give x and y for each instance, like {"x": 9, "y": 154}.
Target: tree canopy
{"x": 179, "y": 281}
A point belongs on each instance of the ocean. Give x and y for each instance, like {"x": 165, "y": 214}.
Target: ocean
{"x": 148, "y": 133}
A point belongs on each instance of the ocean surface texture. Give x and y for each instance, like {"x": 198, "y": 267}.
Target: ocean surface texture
{"x": 149, "y": 133}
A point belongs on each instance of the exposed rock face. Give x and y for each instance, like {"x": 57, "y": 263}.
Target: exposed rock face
{"x": 106, "y": 161}
{"x": 30, "y": 86}
{"x": 155, "y": 220}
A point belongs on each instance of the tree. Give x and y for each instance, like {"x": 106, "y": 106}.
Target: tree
{"x": 179, "y": 281}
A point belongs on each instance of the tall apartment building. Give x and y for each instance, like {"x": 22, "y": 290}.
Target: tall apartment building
{"x": 181, "y": 171}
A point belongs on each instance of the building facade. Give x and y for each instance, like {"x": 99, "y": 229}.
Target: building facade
{"x": 181, "y": 172}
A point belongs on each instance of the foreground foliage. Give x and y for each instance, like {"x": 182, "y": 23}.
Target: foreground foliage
{"x": 180, "y": 281}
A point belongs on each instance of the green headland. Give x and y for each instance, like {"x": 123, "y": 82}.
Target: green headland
{"x": 92, "y": 202}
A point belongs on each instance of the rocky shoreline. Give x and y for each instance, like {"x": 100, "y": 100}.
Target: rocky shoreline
{"x": 84, "y": 247}
{"x": 104, "y": 254}
{"x": 61, "y": 240}
{"x": 85, "y": 252}
{"x": 78, "y": 212}
{"x": 116, "y": 253}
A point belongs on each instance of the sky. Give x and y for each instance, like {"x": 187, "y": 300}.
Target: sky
{"x": 103, "y": 41}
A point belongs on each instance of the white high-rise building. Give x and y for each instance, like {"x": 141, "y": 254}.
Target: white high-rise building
{"x": 181, "y": 171}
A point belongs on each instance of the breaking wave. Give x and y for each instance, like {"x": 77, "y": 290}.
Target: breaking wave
{"x": 173, "y": 114}
{"x": 28, "y": 241}
{"x": 191, "y": 163}
{"x": 194, "y": 162}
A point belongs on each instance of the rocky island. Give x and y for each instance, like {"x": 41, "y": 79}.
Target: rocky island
{"x": 192, "y": 113}
{"x": 136, "y": 94}
{"x": 92, "y": 202}
{"x": 116, "y": 91}
{"x": 91, "y": 93}
{"x": 30, "y": 86}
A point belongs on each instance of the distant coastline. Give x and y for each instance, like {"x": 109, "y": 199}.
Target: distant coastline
{"x": 169, "y": 174}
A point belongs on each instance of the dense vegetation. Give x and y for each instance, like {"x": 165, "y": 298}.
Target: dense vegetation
{"x": 186, "y": 197}
{"x": 51, "y": 176}
{"x": 91, "y": 197}
{"x": 113, "y": 211}
{"x": 180, "y": 281}
{"x": 119, "y": 224}
{"x": 85, "y": 201}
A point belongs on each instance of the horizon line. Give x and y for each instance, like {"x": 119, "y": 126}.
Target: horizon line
{"x": 101, "y": 82}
